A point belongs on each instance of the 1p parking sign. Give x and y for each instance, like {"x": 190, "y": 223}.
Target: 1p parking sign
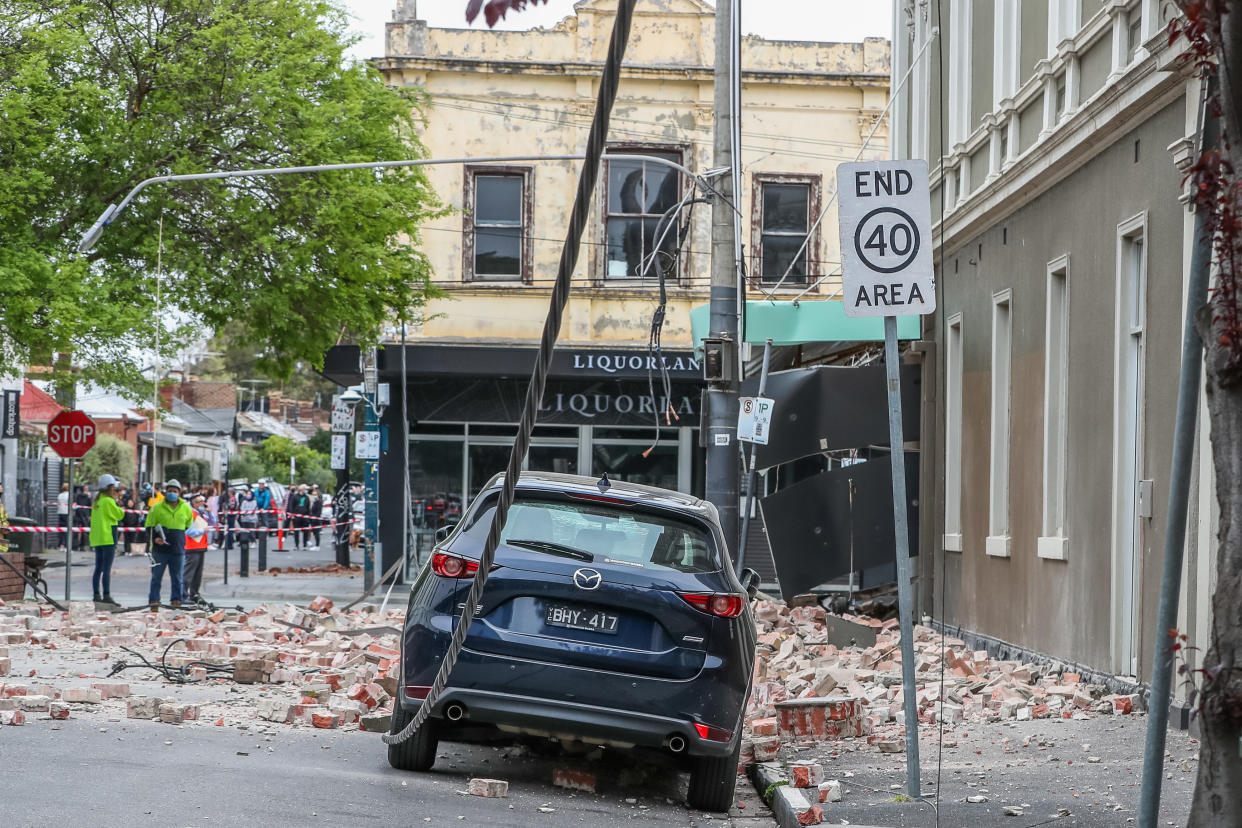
{"x": 886, "y": 244}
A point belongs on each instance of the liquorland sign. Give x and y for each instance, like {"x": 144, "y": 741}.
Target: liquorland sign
{"x": 596, "y": 362}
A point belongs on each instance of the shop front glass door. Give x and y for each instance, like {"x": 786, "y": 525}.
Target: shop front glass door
{"x": 625, "y": 461}
{"x": 435, "y": 483}
{"x": 486, "y": 460}
{"x": 559, "y": 459}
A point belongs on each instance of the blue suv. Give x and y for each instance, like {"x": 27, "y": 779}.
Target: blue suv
{"x": 612, "y": 616}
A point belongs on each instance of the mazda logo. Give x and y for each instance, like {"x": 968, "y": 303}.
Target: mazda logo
{"x": 587, "y": 579}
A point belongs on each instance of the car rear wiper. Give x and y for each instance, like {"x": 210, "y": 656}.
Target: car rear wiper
{"x": 553, "y": 549}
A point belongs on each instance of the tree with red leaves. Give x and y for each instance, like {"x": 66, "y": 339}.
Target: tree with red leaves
{"x": 1213, "y": 30}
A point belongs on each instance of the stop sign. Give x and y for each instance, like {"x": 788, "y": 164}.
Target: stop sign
{"x": 71, "y": 434}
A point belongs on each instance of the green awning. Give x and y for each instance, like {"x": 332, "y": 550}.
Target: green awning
{"x": 821, "y": 320}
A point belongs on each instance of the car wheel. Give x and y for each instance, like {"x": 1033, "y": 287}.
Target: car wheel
{"x": 712, "y": 780}
{"x": 418, "y": 753}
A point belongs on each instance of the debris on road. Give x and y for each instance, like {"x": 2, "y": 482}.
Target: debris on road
{"x": 490, "y": 788}
{"x": 318, "y": 667}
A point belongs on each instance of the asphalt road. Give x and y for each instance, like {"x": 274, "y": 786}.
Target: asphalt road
{"x": 135, "y": 773}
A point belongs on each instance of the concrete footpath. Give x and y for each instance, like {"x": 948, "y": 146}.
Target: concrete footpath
{"x": 1064, "y": 772}
{"x": 131, "y": 576}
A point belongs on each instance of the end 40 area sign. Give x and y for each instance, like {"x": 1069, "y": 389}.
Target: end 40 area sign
{"x": 886, "y": 249}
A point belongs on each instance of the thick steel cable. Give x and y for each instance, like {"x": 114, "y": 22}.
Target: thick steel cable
{"x": 543, "y": 359}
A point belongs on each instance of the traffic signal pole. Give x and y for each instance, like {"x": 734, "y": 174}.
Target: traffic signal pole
{"x": 723, "y": 478}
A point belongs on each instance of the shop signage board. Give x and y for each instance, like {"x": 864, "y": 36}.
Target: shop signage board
{"x": 754, "y": 419}
{"x": 10, "y": 416}
{"x": 367, "y": 445}
{"x": 340, "y": 447}
{"x": 342, "y": 416}
{"x": 886, "y": 239}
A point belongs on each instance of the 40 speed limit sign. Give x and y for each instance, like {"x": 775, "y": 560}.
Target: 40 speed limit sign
{"x": 886, "y": 244}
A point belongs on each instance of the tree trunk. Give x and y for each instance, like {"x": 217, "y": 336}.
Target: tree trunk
{"x": 1218, "y": 789}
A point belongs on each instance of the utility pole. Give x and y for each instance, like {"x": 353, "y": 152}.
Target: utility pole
{"x": 370, "y": 544}
{"x": 723, "y": 467}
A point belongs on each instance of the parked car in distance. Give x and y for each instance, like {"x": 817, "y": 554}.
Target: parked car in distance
{"x": 611, "y": 617}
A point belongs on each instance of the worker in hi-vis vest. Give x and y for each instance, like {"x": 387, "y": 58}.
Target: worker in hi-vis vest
{"x": 168, "y": 521}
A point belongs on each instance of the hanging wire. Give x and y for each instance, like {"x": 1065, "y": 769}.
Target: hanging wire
{"x": 941, "y": 105}
{"x": 609, "y": 83}
{"x": 892, "y": 96}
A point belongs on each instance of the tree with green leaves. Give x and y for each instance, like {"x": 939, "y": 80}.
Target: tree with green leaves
{"x": 99, "y": 95}
{"x": 111, "y": 455}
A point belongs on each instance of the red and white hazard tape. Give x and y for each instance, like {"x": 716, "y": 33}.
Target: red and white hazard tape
{"x": 144, "y": 529}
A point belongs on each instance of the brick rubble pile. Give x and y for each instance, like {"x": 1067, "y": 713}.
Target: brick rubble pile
{"x": 808, "y": 690}
{"x": 316, "y": 667}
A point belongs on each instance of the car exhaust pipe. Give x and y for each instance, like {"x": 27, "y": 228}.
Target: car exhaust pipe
{"x": 677, "y": 744}
{"x": 455, "y": 712}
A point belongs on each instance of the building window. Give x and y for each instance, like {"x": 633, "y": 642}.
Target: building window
{"x": 1060, "y": 95}
{"x": 998, "y": 542}
{"x": 953, "y": 436}
{"x": 1052, "y": 541}
{"x": 642, "y": 228}
{"x": 497, "y": 209}
{"x": 1134, "y": 34}
{"x": 782, "y": 211}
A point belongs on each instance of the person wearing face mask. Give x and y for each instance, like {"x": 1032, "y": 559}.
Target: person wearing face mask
{"x": 105, "y": 515}
{"x": 196, "y": 547}
{"x": 248, "y": 520}
{"x": 168, "y": 521}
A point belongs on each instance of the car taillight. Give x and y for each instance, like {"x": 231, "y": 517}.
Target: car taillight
{"x": 715, "y": 603}
{"x": 451, "y": 566}
{"x": 420, "y": 692}
{"x": 713, "y": 734}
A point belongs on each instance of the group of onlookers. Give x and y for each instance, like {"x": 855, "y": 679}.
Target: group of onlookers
{"x": 304, "y": 515}
{"x": 181, "y": 524}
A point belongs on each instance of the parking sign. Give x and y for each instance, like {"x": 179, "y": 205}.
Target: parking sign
{"x": 886, "y": 243}
{"x": 754, "y": 419}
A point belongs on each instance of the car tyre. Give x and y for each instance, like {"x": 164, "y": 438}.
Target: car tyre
{"x": 418, "y": 753}
{"x": 712, "y": 781}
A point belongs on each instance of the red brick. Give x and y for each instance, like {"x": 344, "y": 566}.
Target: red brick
{"x": 326, "y": 721}
{"x": 820, "y": 719}
{"x": 112, "y": 689}
{"x": 806, "y": 775}
{"x": 764, "y": 727}
{"x": 574, "y": 780}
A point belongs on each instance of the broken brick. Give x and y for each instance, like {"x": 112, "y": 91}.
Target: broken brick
{"x": 490, "y": 788}
{"x": 574, "y": 780}
{"x": 112, "y": 689}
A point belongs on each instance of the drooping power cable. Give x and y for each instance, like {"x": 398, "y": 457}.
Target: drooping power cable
{"x": 534, "y": 393}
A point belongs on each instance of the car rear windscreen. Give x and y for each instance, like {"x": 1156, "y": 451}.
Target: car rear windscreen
{"x": 608, "y": 533}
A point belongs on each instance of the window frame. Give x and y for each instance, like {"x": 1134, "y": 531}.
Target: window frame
{"x": 998, "y": 542}
{"x": 758, "y": 180}
{"x": 1052, "y": 543}
{"x": 954, "y": 454}
{"x": 616, "y": 148}
{"x": 527, "y": 176}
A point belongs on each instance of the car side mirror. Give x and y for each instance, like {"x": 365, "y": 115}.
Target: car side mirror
{"x": 444, "y": 531}
{"x": 750, "y": 582}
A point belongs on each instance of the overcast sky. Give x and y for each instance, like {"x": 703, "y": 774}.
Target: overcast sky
{"x": 830, "y": 20}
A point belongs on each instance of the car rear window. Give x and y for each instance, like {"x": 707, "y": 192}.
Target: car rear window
{"x": 612, "y": 534}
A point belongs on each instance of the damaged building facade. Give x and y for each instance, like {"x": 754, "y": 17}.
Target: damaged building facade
{"x": 1058, "y": 150}
{"x": 806, "y": 107}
